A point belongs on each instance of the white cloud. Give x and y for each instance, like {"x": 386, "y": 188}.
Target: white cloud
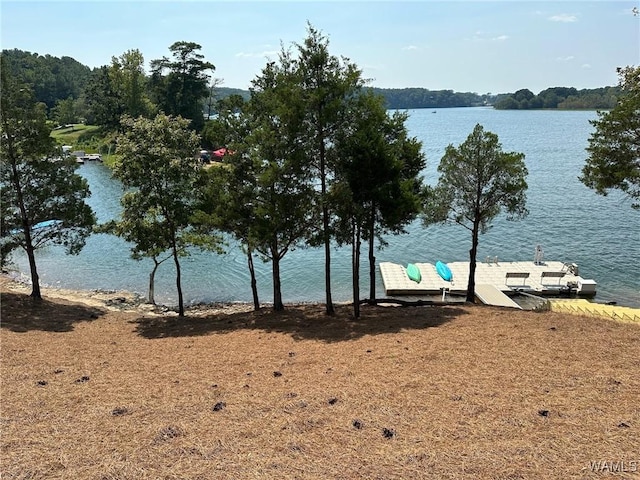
{"x": 564, "y": 18}
{"x": 501, "y": 38}
{"x": 410, "y": 47}
{"x": 585, "y": 65}
{"x": 565, "y": 59}
{"x": 266, "y": 53}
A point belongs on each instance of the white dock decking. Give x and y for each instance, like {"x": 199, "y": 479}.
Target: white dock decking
{"x": 546, "y": 278}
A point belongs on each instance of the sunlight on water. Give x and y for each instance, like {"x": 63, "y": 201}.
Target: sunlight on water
{"x": 573, "y": 224}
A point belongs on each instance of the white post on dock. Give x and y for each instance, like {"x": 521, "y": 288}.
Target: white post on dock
{"x": 444, "y": 292}
{"x": 538, "y": 256}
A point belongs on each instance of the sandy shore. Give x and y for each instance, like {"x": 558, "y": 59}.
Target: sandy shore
{"x": 119, "y": 300}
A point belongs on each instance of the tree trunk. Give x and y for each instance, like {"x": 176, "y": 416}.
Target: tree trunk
{"x": 325, "y": 218}
{"x": 355, "y": 265}
{"x": 35, "y": 278}
{"x": 26, "y": 228}
{"x": 178, "y": 282}
{"x": 278, "y": 306}
{"x": 254, "y": 282}
{"x": 471, "y": 286}
{"x": 327, "y": 260}
{"x": 372, "y": 258}
{"x": 152, "y": 281}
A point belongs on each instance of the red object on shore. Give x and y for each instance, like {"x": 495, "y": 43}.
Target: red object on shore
{"x": 221, "y": 152}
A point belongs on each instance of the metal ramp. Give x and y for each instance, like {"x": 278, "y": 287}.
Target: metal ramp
{"x": 584, "y": 307}
{"x": 490, "y": 295}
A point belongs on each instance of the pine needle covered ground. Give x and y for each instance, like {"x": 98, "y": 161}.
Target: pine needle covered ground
{"x": 90, "y": 391}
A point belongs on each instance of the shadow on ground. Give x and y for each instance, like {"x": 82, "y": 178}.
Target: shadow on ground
{"x": 308, "y": 322}
{"x": 22, "y": 313}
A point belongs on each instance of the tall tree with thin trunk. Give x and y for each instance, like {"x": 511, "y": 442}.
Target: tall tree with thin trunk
{"x": 282, "y": 205}
{"x": 378, "y": 184}
{"x": 329, "y": 83}
{"x": 157, "y": 165}
{"x": 43, "y": 199}
{"x": 226, "y": 191}
{"x": 477, "y": 182}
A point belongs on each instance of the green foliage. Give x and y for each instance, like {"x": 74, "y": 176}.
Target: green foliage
{"x": 157, "y": 166}
{"x": 477, "y": 182}
{"x": 182, "y": 90}
{"x": 130, "y": 83}
{"x": 614, "y": 146}
{"x": 52, "y": 79}
{"x": 117, "y": 90}
{"x": 35, "y": 188}
{"x": 221, "y": 131}
{"x": 64, "y": 112}
{"x": 102, "y": 100}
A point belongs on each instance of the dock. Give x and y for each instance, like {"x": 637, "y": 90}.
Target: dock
{"x": 495, "y": 281}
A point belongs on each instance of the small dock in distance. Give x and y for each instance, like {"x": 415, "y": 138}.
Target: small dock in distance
{"x": 495, "y": 281}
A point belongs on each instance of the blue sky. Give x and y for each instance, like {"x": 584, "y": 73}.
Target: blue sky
{"x": 466, "y": 46}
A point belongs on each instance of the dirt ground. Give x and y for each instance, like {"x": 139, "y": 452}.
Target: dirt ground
{"x": 97, "y": 386}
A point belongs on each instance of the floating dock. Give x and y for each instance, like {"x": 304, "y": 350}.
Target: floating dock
{"x": 495, "y": 281}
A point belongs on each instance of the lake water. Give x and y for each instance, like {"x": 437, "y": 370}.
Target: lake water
{"x": 571, "y": 222}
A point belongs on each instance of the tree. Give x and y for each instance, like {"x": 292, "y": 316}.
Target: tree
{"x": 182, "y": 91}
{"x": 614, "y": 146}
{"x": 477, "y": 182}
{"x": 43, "y": 200}
{"x": 227, "y": 192}
{"x": 157, "y": 164}
{"x": 102, "y": 100}
{"x": 282, "y": 206}
{"x": 64, "y": 112}
{"x": 222, "y": 131}
{"x": 378, "y": 188}
{"x": 130, "y": 83}
{"x": 328, "y": 84}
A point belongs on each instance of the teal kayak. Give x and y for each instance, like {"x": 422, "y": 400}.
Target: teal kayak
{"x": 413, "y": 272}
{"x": 444, "y": 271}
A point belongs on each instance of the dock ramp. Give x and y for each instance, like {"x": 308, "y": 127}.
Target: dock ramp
{"x": 490, "y": 295}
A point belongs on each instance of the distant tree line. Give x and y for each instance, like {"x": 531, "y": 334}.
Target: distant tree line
{"x": 409, "y": 98}
{"x": 73, "y": 92}
{"x": 563, "y": 98}
{"x": 52, "y": 79}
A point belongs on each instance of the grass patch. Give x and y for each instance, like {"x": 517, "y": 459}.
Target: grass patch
{"x": 76, "y": 134}
{"x": 89, "y": 138}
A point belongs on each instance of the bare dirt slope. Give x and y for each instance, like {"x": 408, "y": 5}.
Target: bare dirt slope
{"x": 95, "y": 387}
